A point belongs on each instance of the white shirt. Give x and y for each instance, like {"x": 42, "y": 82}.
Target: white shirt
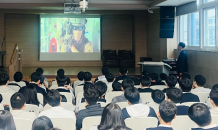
{"x": 164, "y": 125}
{"x": 23, "y": 114}
{"x": 58, "y": 112}
{"x": 214, "y": 111}
{"x": 200, "y": 89}
{"x": 209, "y": 126}
{"x": 4, "y": 89}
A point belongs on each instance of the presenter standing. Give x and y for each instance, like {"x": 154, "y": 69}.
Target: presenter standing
{"x": 182, "y": 63}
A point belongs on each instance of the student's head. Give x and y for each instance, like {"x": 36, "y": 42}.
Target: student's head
{"x": 185, "y": 75}
{"x": 4, "y": 79}
{"x": 18, "y": 101}
{"x": 42, "y": 123}
{"x": 145, "y": 81}
{"x": 158, "y": 96}
{"x": 80, "y": 75}
{"x": 53, "y": 98}
{"x": 174, "y": 95}
{"x": 111, "y": 117}
{"x": 214, "y": 97}
{"x": 145, "y": 72}
{"x": 18, "y": 76}
{"x": 63, "y": 98}
{"x": 117, "y": 86}
{"x": 215, "y": 86}
{"x": 40, "y": 70}
{"x": 1, "y": 98}
{"x": 6, "y": 121}
{"x": 199, "y": 81}
{"x": 200, "y": 114}
{"x": 171, "y": 81}
{"x": 35, "y": 77}
{"x": 105, "y": 70}
{"x": 181, "y": 46}
{"x": 122, "y": 128}
{"x": 185, "y": 85}
{"x": 61, "y": 80}
{"x": 127, "y": 83}
{"x": 101, "y": 87}
{"x": 88, "y": 85}
{"x": 132, "y": 95}
{"x": 110, "y": 77}
{"x": 87, "y": 76}
{"x": 91, "y": 95}
{"x": 163, "y": 76}
{"x": 153, "y": 76}
{"x": 30, "y": 94}
{"x": 123, "y": 70}
{"x": 60, "y": 72}
{"x": 167, "y": 111}
{"x": 136, "y": 80}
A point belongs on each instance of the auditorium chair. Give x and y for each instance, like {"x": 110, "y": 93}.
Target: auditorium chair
{"x": 183, "y": 123}
{"x": 6, "y": 99}
{"x": 68, "y": 96}
{"x": 65, "y": 105}
{"x": 14, "y": 87}
{"x": 78, "y": 89}
{"x": 159, "y": 87}
{"x": 146, "y": 98}
{"x": 89, "y": 122}
{"x": 215, "y": 119}
{"x": 154, "y": 105}
{"x": 64, "y": 123}
{"x": 79, "y": 97}
{"x": 23, "y": 124}
{"x": 32, "y": 108}
{"x": 110, "y": 95}
{"x": 126, "y": 58}
{"x": 141, "y": 123}
{"x": 122, "y": 104}
{"x": 1, "y": 107}
{"x": 110, "y": 58}
{"x": 21, "y": 83}
{"x": 40, "y": 98}
{"x": 203, "y": 96}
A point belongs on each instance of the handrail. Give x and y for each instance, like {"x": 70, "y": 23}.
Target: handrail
{"x": 13, "y": 54}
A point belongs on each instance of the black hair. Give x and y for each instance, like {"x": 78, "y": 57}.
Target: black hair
{"x": 6, "y": 120}
{"x": 35, "y": 76}
{"x": 132, "y": 95}
{"x": 215, "y": 87}
{"x": 40, "y": 70}
{"x": 136, "y": 80}
{"x": 87, "y": 76}
{"x": 17, "y": 101}
{"x": 185, "y": 84}
{"x": 117, "y": 86}
{"x": 105, "y": 70}
{"x": 200, "y": 80}
{"x": 163, "y": 76}
{"x": 214, "y": 96}
{"x": 145, "y": 72}
{"x": 123, "y": 70}
{"x": 174, "y": 94}
{"x": 200, "y": 114}
{"x": 153, "y": 76}
{"x": 167, "y": 111}
{"x": 55, "y": 129}
{"x": 87, "y": 85}
{"x": 145, "y": 81}
{"x": 101, "y": 87}
{"x": 30, "y": 94}
{"x": 158, "y": 96}
{"x": 18, "y": 76}
{"x": 127, "y": 83}
{"x": 53, "y": 98}
{"x": 61, "y": 80}
{"x": 122, "y": 128}
{"x": 63, "y": 98}
{"x": 91, "y": 95}
{"x": 171, "y": 81}
{"x": 185, "y": 75}
{"x": 80, "y": 75}
{"x": 60, "y": 72}
{"x": 182, "y": 44}
{"x": 111, "y": 117}
{"x": 4, "y": 78}
{"x": 42, "y": 123}
{"x": 110, "y": 77}
{"x": 1, "y": 98}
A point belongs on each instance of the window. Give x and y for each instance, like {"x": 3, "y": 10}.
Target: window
{"x": 194, "y": 35}
{"x": 184, "y": 29}
{"x": 206, "y": 1}
{"x": 209, "y": 27}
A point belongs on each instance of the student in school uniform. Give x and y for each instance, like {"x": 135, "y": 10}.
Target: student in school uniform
{"x": 198, "y": 84}
{"x": 123, "y": 74}
{"x": 116, "y": 86}
{"x": 214, "y": 101}
{"x": 110, "y": 79}
{"x": 4, "y": 80}
{"x": 104, "y": 72}
{"x": 42, "y": 77}
{"x": 171, "y": 82}
{"x": 145, "y": 83}
{"x": 154, "y": 79}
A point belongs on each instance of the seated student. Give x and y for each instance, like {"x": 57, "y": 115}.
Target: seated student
{"x": 6, "y": 121}
{"x": 35, "y": 81}
{"x": 53, "y": 98}
{"x": 122, "y": 128}
{"x": 185, "y": 75}
{"x": 4, "y": 80}
{"x": 123, "y": 74}
{"x": 42, "y": 79}
{"x": 102, "y": 89}
{"x": 80, "y": 79}
{"x": 136, "y": 109}
{"x": 104, "y": 72}
{"x": 171, "y": 82}
{"x": 63, "y": 98}
{"x": 175, "y": 95}
{"x": 145, "y": 83}
{"x": 61, "y": 72}
{"x": 136, "y": 81}
{"x": 163, "y": 77}
{"x": 154, "y": 79}
{"x": 91, "y": 96}
{"x": 166, "y": 114}
{"x": 198, "y": 84}
{"x": 186, "y": 85}
{"x": 214, "y": 101}
{"x": 200, "y": 114}
{"x": 117, "y": 86}
{"x": 158, "y": 96}
{"x": 42, "y": 123}
{"x": 110, "y": 79}
{"x": 144, "y": 73}
{"x": 87, "y": 78}
{"x": 18, "y": 76}
{"x": 18, "y": 104}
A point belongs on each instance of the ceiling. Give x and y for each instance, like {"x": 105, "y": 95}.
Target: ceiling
{"x": 175, "y": 2}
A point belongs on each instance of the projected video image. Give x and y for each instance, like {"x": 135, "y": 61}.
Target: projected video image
{"x": 70, "y": 35}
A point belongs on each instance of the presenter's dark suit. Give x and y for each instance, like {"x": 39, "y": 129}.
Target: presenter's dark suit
{"x": 182, "y": 63}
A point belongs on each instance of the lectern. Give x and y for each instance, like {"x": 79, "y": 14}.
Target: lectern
{"x": 155, "y": 67}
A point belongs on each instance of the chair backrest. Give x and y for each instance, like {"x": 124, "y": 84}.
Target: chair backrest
{"x": 64, "y": 123}
{"x": 54, "y": 87}
{"x": 110, "y": 95}
{"x": 109, "y": 88}
{"x": 21, "y": 83}
{"x": 203, "y": 96}
{"x": 89, "y": 122}
{"x": 120, "y": 81}
{"x": 78, "y": 89}
{"x": 105, "y": 81}
{"x": 137, "y": 86}
{"x": 189, "y": 103}
{"x": 32, "y": 108}
{"x": 82, "y": 105}
{"x": 23, "y": 124}
{"x": 6, "y": 98}
{"x": 159, "y": 87}
{"x": 154, "y": 105}
{"x": 1, "y": 107}
{"x": 141, "y": 123}
{"x": 76, "y": 83}
{"x": 183, "y": 123}
{"x": 65, "y": 105}
{"x": 54, "y": 82}
{"x": 40, "y": 98}
{"x": 215, "y": 119}
{"x": 68, "y": 96}
{"x": 79, "y": 97}
{"x": 122, "y": 104}
{"x": 14, "y": 87}
{"x": 146, "y": 97}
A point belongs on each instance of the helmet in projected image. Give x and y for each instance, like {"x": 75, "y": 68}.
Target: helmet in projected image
{"x": 78, "y": 21}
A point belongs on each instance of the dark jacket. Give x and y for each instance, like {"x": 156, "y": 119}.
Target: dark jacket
{"x": 182, "y": 110}
{"x": 214, "y": 128}
{"x": 189, "y": 97}
{"x": 160, "y": 128}
{"x": 157, "y": 83}
{"x": 123, "y": 77}
{"x": 145, "y": 90}
{"x": 182, "y": 63}
{"x": 38, "y": 89}
{"x": 100, "y": 100}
